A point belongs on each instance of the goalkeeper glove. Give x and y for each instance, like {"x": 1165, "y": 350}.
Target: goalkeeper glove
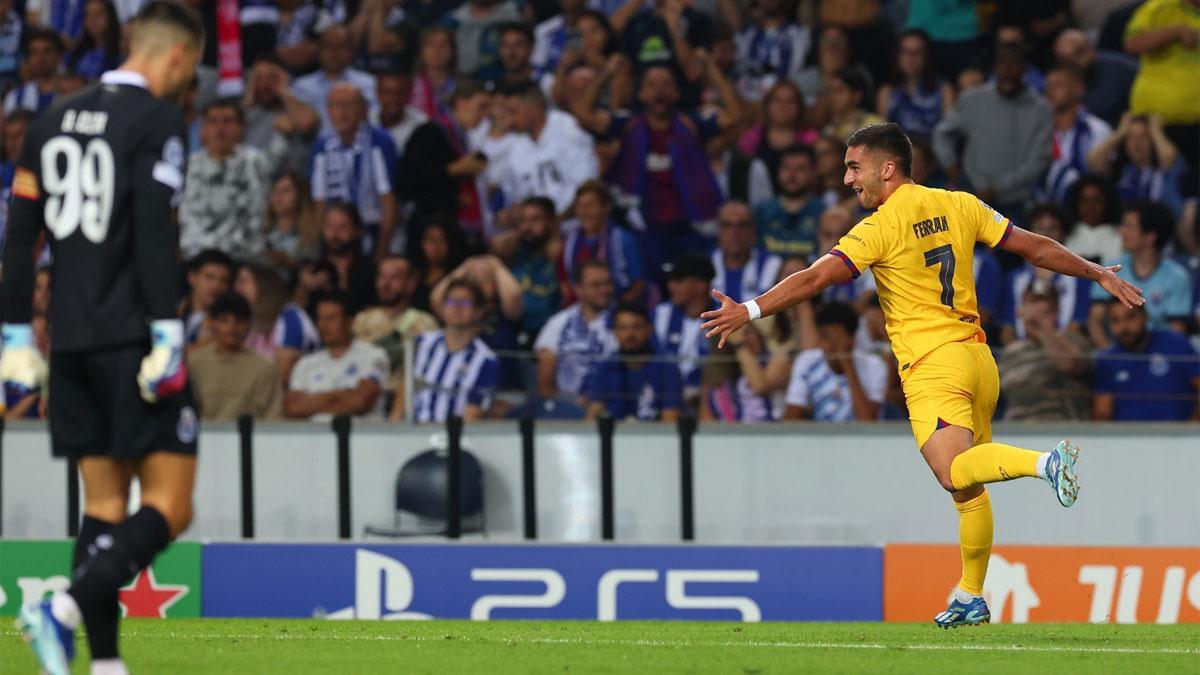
{"x": 163, "y": 372}
{"x": 22, "y": 369}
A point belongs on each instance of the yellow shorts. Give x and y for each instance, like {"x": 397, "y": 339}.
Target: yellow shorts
{"x": 956, "y": 384}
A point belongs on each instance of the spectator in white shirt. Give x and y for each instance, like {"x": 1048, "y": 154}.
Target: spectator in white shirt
{"x": 574, "y": 340}
{"x": 335, "y": 55}
{"x": 836, "y": 382}
{"x": 344, "y": 378}
{"x": 554, "y": 155}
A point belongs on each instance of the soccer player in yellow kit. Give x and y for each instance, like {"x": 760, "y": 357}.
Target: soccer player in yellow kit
{"x": 919, "y": 244}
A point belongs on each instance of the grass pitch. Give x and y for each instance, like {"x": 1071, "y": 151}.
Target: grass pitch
{"x": 294, "y": 647}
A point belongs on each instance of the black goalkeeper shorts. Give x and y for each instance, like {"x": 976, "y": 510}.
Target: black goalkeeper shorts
{"x": 95, "y": 408}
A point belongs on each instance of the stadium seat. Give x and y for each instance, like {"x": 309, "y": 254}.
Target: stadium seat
{"x": 421, "y": 496}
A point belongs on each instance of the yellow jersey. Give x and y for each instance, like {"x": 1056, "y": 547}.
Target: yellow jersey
{"x": 1168, "y": 80}
{"x": 920, "y": 246}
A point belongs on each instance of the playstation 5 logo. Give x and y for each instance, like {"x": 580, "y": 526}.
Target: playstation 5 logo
{"x": 383, "y": 589}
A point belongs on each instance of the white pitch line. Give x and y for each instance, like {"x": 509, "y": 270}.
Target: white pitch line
{"x": 664, "y": 643}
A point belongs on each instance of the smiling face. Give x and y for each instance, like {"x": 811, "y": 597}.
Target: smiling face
{"x": 865, "y": 174}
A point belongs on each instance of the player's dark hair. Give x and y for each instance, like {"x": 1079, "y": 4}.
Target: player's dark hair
{"x": 1154, "y": 217}
{"x": 211, "y": 256}
{"x": 632, "y": 307}
{"x": 799, "y": 149}
{"x": 182, "y": 17}
{"x": 886, "y": 137}
{"x": 35, "y": 33}
{"x": 838, "y": 314}
{"x": 589, "y": 264}
{"x": 230, "y": 303}
{"x": 543, "y": 204}
{"x": 470, "y": 287}
{"x": 337, "y": 297}
{"x": 227, "y": 102}
{"x": 516, "y": 27}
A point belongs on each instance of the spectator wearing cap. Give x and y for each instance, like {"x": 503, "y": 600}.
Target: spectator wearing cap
{"x": 576, "y": 338}
{"x": 335, "y": 54}
{"x": 835, "y": 382}
{"x": 272, "y": 111}
{"x": 225, "y": 194}
{"x": 354, "y": 165}
{"x": 551, "y": 156}
{"x": 229, "y": 379}
{"x": 677, "y": 320}
{"x": 43, "y": 58}
{"x": 440, "y": 168}
{"x": 1147, "y": 374}
{"x": 1146, "y": 228}
{"x": 1044, "y": 373}
{"x": 1107, "y": 76}
{"x": 662, "y": 160}
{"x": 394, "y": 322}
{"x": 1076, "y": 133}
{"x": 475, "y": 34}
{"x": 636, "y": 382}
{"x": 1072, "y": 295}
{"x": 346, "y": 377}
{"x": 743, "y": 269}
{"x": 1005, "y": 131}
{"x": 594, "y": 236}
{"x": 788, "y": 223}
{"x": 454, "y": 371}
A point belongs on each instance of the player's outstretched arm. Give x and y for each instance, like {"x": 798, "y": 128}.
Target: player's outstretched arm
{"x": 794, "y": 289}
{"x": 1048, "y": 254}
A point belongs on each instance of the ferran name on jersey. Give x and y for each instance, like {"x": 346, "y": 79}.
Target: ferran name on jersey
{"x": 89, "y": 122}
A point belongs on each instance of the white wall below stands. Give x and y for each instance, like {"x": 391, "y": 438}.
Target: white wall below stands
{"x": 859, "y": 485}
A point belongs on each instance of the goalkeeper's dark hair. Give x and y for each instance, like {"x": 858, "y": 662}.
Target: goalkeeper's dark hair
{"x": 886, "y": 137}
{"x": 838, "y": 314}
{"x": 178, "y": 16}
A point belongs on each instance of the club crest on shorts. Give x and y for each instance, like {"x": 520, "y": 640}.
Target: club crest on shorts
{"x": 187, "y": 428}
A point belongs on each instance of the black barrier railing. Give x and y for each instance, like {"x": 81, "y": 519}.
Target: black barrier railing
{"x": 454, "y": 426}
{"x": 528, "y": 478}
{"x": 245, "y": 427}
{"x": 341, "y": 428}
{"x": 687, "y": 517}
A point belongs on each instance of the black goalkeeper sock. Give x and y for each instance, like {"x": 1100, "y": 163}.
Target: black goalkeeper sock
{"x": 126, "y": 550}
{"x": 101, "y": 622}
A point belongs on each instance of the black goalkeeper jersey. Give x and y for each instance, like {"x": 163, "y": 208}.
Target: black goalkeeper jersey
{"x": 100, "y": 173}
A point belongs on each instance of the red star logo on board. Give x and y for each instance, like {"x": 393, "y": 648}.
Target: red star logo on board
{"x": 144, "y": 597}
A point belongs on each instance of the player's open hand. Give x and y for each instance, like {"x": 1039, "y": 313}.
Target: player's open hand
{"x": 1122, "y": 290}
{"x": 730, "y": 317}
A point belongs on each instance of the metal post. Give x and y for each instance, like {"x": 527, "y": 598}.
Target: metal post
{"x": 454, "y": 426}
{"x": 606, "y": 425}
{"x": 687, "y": 428}
{"x": 341, "y": 428}
{"x": 245, "y": 427}
{"x": 72, "y": 498}
{"x": 528, "y": 482}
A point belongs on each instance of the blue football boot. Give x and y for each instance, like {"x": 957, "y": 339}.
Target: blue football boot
{"x": 52, "y": 642}
{"x": 964, "y": 614}
{"x": 1060, "y": 472}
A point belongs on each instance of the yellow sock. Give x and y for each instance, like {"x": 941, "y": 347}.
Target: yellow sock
{"x": 992, "y": 463}
{"x": 975, "y": 541}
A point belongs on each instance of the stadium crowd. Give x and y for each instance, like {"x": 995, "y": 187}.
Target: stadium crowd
{"x": 535, "y": 198}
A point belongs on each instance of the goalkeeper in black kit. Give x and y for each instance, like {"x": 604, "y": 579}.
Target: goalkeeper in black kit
{"x": 100, "y": 173}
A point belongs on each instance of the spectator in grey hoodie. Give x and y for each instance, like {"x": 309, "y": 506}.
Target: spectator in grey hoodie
{"x": 998, "y": 136}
